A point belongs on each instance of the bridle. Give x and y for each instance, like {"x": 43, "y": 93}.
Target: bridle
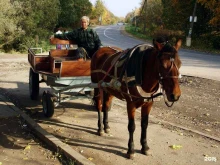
{"x": 161, "y": 78}
{"x": 167, "y": 74}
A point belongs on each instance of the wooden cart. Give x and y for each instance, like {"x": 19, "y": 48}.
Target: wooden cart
{"x": 63, "y": 71}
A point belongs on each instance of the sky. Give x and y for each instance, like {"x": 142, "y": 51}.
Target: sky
{"x": 120, "y": 8}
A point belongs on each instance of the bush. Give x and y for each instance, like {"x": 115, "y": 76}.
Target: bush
{"x": 216, "y": 42}
{"x": 172, "y": 35}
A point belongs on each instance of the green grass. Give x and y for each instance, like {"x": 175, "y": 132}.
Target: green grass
{"x": 199, "y": 44}
{"x": 136, "y": 33}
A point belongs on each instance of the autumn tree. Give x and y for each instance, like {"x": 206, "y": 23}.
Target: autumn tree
{"x": 101, "y": 15}
{"x": 99, "y": 10}
{"x": 150, "y": 15}
{"x": 214, "y": 7}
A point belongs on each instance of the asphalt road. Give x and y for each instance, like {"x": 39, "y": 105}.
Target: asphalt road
{"x": 194, "y": 63}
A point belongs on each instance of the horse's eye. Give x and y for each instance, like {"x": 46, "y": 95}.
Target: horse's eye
{"x": 164, "y": 64}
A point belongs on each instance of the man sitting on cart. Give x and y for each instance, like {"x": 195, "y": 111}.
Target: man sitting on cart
{"x": 87, "y": 39}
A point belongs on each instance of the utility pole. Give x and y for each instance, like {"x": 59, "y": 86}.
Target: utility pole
{"x": 100, "y": 19}
{"x": 135, "y": 22}
{"x": 188, "y": 38}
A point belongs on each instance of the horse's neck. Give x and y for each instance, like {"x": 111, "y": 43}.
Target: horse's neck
{"x": 150, "y": 77}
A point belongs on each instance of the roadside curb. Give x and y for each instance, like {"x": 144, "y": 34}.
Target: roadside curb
{"x": 49, "y": 139}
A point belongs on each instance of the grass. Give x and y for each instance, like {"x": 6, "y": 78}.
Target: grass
{"x": 198, "y": 44}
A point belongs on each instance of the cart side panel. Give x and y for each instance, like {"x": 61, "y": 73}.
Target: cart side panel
{"x": 75, "y": 68}
{"x": 62, "y": 53}
{"x": 57, "y": 56}
{"x": 38, "y": 62}
{"x": 55, "y": 62}
{"x": 54, "y": 41}
{"x": 42, "y": 63}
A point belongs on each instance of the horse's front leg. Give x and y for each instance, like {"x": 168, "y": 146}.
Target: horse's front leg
{"x": 131, "y": 128}
{"x": 107, "y": 102}
{"x": 145, "y": 111}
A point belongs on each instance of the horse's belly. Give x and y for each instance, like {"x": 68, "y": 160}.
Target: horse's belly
{"x": 116, "y": 93}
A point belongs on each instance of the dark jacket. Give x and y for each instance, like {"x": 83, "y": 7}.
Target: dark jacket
{"x": 88, "y": 39}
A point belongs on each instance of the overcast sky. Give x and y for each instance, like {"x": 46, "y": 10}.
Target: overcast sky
{"x": 120, "y": 8}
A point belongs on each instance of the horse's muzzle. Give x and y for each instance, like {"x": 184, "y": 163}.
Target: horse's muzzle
{"x": 173, "y": 97}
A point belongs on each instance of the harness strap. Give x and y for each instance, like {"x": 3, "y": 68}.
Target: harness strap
{"x": 110, "y": 68}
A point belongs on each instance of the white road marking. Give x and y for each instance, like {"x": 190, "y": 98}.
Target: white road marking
{"x": 108, "y": 36}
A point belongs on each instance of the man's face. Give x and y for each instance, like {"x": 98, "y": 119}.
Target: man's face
{"x": 84, "y": 24}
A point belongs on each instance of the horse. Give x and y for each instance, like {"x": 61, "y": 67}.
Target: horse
{"x": 135, "y": 75}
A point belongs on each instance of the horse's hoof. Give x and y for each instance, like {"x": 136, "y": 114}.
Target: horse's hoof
{"x": 107, "y": 130}
{"x": 101, "y": 133}
{"x": 130, "y": 156}
{"x": 146, "y": 152}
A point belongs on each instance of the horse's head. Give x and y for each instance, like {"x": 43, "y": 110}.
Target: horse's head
{"x": 168, "y": 67}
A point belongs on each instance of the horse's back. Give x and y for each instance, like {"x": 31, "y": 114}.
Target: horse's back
{"x": 101, "y": 61}
{"x": 100, "y": 57}
{"x": 104, "y": 52}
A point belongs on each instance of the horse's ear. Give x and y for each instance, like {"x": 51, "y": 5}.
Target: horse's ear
{"x": 157, "y": 45}
{"x": 178, "y": 44}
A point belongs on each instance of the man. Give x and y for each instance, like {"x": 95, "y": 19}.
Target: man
{"x": 58, "y": 46}
{"x": 87, "y": 39}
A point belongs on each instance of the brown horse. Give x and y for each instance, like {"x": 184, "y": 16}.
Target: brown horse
{"x": 135, "y": 75}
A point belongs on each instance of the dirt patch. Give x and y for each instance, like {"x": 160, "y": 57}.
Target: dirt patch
{"x": 19, "y": 146}
{"x": 198, "y": 107}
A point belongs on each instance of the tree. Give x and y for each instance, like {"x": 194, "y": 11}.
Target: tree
{"x": 99, "y": 10}
{"x": 72, "y": 11}
{"x": 151, "y": 13}
{"x": 37, "y": 18}
{"x": 214, "y": 7}
{"x": 9, "y": 24}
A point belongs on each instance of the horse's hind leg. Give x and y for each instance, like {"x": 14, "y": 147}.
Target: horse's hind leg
{"x": 107, "y": 101}
{"x": 145, "y": 110}
{"x": 98, "y": 103}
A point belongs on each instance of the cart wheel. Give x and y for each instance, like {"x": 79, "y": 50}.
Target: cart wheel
{"x": 48, "y": 104}
{"x": 33, "y": 84}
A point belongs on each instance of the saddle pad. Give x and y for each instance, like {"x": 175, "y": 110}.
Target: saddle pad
{"x": 135, "y": 62}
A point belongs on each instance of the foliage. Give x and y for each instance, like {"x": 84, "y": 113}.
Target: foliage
{"x": 201, "y": 43}
{"x": 27, "y": 22}
{"x": 9, "y": 24}
{"x": 216, "y": 42}
{"x": 151, "y": 15}
{"x": 214, "y": 7}
{"x": 173, "y": 16}
{"x": 101, "y": 15}
{"x": 176, "y": 13}
{"x": 136, "y": 32}
{"x": 72, "y": 11}
{"x": 99, "y": 8}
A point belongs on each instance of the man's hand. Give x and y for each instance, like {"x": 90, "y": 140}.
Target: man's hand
{"x": 51, "y": 37}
